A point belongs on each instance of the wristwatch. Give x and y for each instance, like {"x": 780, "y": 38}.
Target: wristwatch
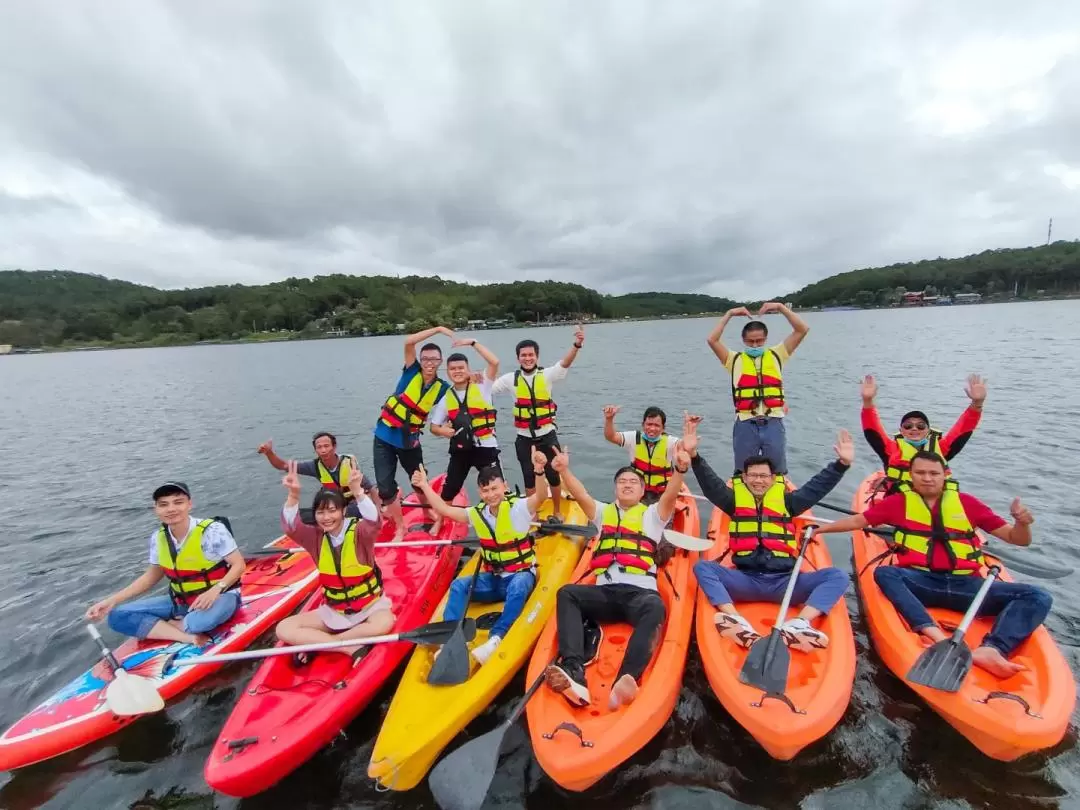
{"x": 579, "y": 345}
{"x": 473, "y": 343}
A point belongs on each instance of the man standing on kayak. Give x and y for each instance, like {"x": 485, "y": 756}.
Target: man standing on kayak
{"x": 402, "y": 420}
{"x": 503, "y": 522}
{"x": 916, "y": 434}
{"x": 757, "y": 384}
{"x": 627, "y": 557}
{"x": 203, "y": 566}
{"x": 651, "y": 449}
{"x": 344, "y": 551}
{"x": 534, "y": 410}
{"x": 938, "y": 558}
{"x": 764, "y": 546}
{"x": 333, "y": 471}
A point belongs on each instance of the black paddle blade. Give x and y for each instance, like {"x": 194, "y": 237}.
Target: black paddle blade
{"x": 766, "y": 666}
{"x": 944, "y": 666}
{"x": 453, "y": 663}
{"x": 462, "y": 780}
{"x": 439, "y": 632}
{"x": 571, "y": 529}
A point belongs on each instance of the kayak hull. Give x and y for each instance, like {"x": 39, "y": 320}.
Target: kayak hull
{"x": 288, "y": 713}
{"x": 988, "y": 711}
{"x": 423, "y": 719}
{"x": 615, "y": 736}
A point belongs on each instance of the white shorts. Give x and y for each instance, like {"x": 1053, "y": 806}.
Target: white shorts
{"x": 341, "y": 621}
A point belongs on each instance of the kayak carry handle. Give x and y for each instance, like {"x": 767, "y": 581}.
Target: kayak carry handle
{"x": 572, "y": 729}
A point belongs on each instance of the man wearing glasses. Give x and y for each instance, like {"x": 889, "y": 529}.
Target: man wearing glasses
{"x": 916, "y": 434}
{"x": 402, "y": 420}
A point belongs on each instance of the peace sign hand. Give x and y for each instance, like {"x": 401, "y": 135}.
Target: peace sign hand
{"x": 291, "y": 481}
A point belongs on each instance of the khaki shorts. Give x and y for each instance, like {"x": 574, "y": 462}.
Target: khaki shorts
{"x": 335, "y": 620}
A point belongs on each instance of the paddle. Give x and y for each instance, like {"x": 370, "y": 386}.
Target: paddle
{"x": 767, "y": 664}
{"x": 945, "y": 665}
{"x": 1015, "y": 561}
{"x": 687, "y": 541}
{"x": 126, "y": 695}
{"x": 462, "y": 780}
{"x": 452, "y": 665}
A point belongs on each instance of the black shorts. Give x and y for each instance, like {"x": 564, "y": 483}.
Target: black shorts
{"x": 386, "y": 458}
{"x": 457, "y": 470}
{"x": 547, "y": 444}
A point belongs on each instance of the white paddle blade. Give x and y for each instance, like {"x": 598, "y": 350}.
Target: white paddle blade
{"x": 689, "y": 542}
{"x": 129, "y": 695}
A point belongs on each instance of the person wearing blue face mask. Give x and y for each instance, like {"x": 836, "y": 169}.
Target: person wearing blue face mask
{"x": 651, "y": 449}
{"x": 757, "y": 384}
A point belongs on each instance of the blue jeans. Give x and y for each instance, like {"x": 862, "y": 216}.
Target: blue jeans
{"x": 139, "y": 617}
{"x": 765, "y": 436}
{"x": 817, "y": 589}
{"x": 513, "y": 591}
{"x": 1020, "y": 609}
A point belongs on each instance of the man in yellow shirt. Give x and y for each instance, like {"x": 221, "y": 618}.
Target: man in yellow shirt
{"x": 757, "y": 384}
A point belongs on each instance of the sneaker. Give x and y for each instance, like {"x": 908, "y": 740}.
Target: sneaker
{"x": 735, "y": 627}
{"x": 800, "y": 635}
{"x": 486, "y": 650}
{"x": 623, "y": 692}
{"x": 559, "y": 680}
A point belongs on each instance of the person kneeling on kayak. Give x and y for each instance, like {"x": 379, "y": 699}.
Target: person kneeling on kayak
{"x": 503, "y": 522}
{"x": 938, "y": 557}
{"x": 344, "y": 551}
{"x": 625, "y": 561}
{"x": 764, "y": 545}
{"x": 203, "y": 566}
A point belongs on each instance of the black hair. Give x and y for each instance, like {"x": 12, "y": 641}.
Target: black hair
{"x": 327, "y": 434}
{"x": 926, "y": 455}
{"x": 628, "y": 468}
{"x": 328, "y": 497}
{"x": 457, "y": 357}
{"x": 525, "y": 344}
{"x": 754, "y": 461}
{"x": 432, "y": 346}
{"x": 488, "y": 475}
{"x": 755, "y": 326}
{"x": 652, "y": 411}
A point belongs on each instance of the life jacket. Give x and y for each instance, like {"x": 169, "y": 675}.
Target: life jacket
{"x": 898, "y": 466}
{"x": 409, "y": 409}
{"x": 332, "y": 480}
{"x": 752, "y": 386}
{"x": 503, "y": 549}
{"x": 623, "y": 542}
{"x": 768, "y": 524}
{"x": 533, "y": 406}
{"x": 943, "y": 541}
{"x": 190, "y": 573}
{"x": 481, "y": 411}
{"x": 348, "y": 585}
{"x": 656, "y": 473}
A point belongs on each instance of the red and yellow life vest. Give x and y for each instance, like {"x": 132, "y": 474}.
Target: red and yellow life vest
{"x": 767, "y": 524}
{"x": 533, "y": 406}
{"x": 348, "y": 584}
{"x": 898, "y": 467}
{"x": 481, "y": 411}
{"x": 332, "y": 480}
{"x": 189, "y": 572}
{"x": 651, "y": 460}
{"x": 623, "y": 542}
{"x": 410, "y": 408}
{"x": 953, "y": 547}
{"x": 753, "y": 384}
{"x": 503, "y": 549}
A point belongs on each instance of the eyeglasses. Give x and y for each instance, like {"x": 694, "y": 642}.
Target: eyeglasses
{"x": 914, "y": 426}
{"x": 431, "y": 361}
{"x": 758, "y": 476}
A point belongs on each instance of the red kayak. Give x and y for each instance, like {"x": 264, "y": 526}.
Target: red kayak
{"x": 272, "y": 587}
{"x": 287, "y": 713}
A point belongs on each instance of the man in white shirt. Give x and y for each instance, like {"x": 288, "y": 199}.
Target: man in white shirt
{"x": 534, "y": 410}
{"x": 651, "y": 449}
{"x": 626, "y": 559}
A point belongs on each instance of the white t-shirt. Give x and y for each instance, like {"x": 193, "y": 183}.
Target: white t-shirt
{"x": 629, "y": 439}
{"x": 520, "y": 518}
{"x": 505, "y": 385}
{"x": 653, "y": 528}
{"x": 439, "y": 414}
{"x": 217, "y": 542}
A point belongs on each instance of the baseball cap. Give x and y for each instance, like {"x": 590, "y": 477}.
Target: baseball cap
{"x": 172, "y": 488}
{"x": 914, "y": 415}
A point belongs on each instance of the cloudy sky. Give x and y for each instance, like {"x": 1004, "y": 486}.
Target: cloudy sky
{"x": 737, "y": 148}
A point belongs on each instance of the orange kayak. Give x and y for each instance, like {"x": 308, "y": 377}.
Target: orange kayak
{"x": 609, "y": 738}
{"x": 819, "y": 683}
{"x": 1005, "y": 719}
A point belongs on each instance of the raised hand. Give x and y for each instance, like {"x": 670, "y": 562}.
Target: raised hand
{"x": 291, "y": 481}
{"x": 690, "y": 439}
{"x": 736, "y": 311}
{"x": 579, "y": 334}
{"x": 419, "y": 478}
{"x": 1021, "y": 514}
{"x": 682, "y": 459}
{"x": 266, "y": 447}
{"x": 844, "y": 447}
{"x": 610, "y": 411}
{"x": 539, "y": 461}
{"x": 561, "y": 460}
{"x": 476, "y": 377}
{"x": 869, "y": 388}
{"x": 446, "y": 331}
{"x": 976, "y": 389}
{"x": 459, "y": 342}
{"x": 770, "y": 308}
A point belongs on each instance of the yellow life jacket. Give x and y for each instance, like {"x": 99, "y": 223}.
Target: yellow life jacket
{"x": 189, "y": 572}
{"x": 502, "y": 547}
{"x": 753, "y": 384}
{"x": 410, "y": 408}
{"x": 533, "y": 406}
{"x": 481, "y": 412}
{"x": 348, "y": 585}
{"x": 952, "y": 547}
{"x": 623, "y": 542}
{"x": 768, "y": 524}
{"x": 651, "y": 460}
{"x": 332, "y": 480}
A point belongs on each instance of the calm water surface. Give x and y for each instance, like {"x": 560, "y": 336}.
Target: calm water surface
{"x": 86, "y": 436}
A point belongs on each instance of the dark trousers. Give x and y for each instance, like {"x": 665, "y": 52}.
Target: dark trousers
{"x": 386, "y": 458}
{"x": 639, "y": 607}
{"x": 457, "y": 469}
{"x": 547, "y": 444}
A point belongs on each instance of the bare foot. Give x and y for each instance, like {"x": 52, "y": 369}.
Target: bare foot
{"x": 623, "y": 692}
{"x": 991, "y": 659}
{"x": 199, "y": 639}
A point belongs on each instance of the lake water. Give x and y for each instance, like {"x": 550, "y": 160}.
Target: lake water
{"x": 86, "y": 436}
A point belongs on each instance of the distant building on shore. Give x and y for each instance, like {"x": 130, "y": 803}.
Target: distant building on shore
{"x": 5, "y": 348}
{"x": 967, "y": 298}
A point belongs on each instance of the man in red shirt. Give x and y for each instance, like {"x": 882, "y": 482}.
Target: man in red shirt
{"x": 895, "y": 451}
{"x": 934, "y": 527}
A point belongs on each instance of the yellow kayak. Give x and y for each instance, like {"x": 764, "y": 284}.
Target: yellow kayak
{"x": 422, "y": 719}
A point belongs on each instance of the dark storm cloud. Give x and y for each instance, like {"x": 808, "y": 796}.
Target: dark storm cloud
{"x": 736, "y": 148}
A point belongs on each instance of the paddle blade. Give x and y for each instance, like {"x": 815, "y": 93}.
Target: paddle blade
{"x": 452, "y": 665}
{"x": 944, "y": 666}
{"x": 687, "y": 541}
{"x": 767, "y": 663}
{"x": 128, "y": 695}
{"x": 439, "y": 632}
{"x": 462, "y": 780}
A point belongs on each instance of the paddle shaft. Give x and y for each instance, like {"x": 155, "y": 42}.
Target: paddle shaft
{"x": 247, "y": 655}
{"x": 976, "y": 603}
{"x": 786, "y": 603}
{"x": 106, "y": 653}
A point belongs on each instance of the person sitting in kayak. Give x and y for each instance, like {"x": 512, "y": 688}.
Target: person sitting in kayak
{"x": 916, "y": 434}
{"x": 764, "y": 545}
{"x": 625, "y": 562}
{"x": 203, "y": 566}
{"x": 651, "y": 449}
{"x": 503, "y": 522}
{"x": 344, "y": 551}
{"x": 938, "y": 557}
{"x": 334, "y": 471}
